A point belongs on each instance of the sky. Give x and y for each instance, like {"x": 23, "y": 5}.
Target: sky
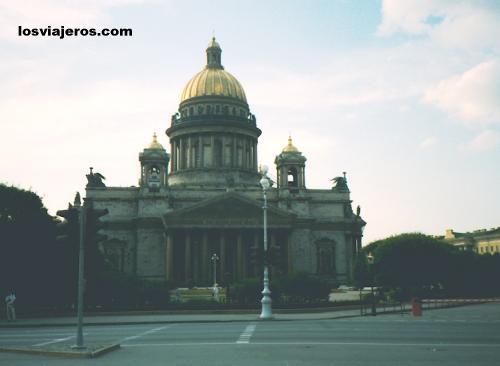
{"x": 403, "y": 95}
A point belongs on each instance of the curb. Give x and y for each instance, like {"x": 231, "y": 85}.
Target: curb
{"x": 62, "y": 353}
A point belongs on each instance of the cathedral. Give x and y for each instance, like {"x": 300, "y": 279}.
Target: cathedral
{"x": 203, "y": 197}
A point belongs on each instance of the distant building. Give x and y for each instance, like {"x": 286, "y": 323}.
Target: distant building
{"x": 480, "y": 241}
{"x": 204, "y": 198}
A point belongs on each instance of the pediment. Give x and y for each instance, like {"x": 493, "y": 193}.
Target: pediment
{"x": 230, "y": 209}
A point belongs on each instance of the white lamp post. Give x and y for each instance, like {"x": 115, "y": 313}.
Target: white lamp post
{"x": 266, "y": 301}
{"x": 214, "y": 259}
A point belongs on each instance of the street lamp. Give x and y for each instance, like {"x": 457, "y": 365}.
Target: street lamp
{"x": 371, "y": 259}
{"x": 214, "y": 260}
{"x": 266, "y": 301}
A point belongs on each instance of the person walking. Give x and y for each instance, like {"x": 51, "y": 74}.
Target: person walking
{"x": 10, "y": 299}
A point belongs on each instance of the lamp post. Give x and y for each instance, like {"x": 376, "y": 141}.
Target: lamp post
{"x": 82, "y": 213}
{"x": 214, "y": 260}
{"x": 371, "y": 259}
{"x": 266, "y": 301}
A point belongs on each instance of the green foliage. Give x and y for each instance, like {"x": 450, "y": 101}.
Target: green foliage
{"x": 304, "y": 288}
{"x": 410, "y": 261}
{"x": 31, "y": 263}
{"x": 247, "y": 291}
{"x": 409, "y": 265}
{"x": 122, "y": 291}
{"x": 294, "y": 288}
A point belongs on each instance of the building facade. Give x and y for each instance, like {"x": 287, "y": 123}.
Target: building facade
{"x": 204, "y": 198}
{"x": 481, "y": 241}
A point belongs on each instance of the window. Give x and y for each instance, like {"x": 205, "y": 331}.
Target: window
{"x": 292, "y": 177}
{"x": 191, "y": 111}
{"x": 217, "y": 109}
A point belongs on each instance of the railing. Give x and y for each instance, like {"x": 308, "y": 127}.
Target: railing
{"x": 427, "y": 304}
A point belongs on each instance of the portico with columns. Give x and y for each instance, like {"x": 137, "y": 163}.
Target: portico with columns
{"x": 227, "y": 225}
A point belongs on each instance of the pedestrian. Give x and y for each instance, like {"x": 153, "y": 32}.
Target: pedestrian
{"x": 10, "y": 299}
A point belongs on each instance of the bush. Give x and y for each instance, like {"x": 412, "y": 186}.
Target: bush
{"x": 304, "y": 288}
{"x": 247, "y": 291}
{"x": 294, "y": 288}
{"x": 122, "y": 291}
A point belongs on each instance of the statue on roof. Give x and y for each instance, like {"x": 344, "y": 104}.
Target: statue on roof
{"x": 340, "y": 184}
{"x": 95, "y": 180}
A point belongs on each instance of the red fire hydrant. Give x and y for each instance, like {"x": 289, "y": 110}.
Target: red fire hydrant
{"x": 416, "y": 307}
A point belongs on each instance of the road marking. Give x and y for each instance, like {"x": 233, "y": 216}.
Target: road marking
{"x": 247, "y": 334}
{"x": 373, "y": 344}
{"x": 151, "y": 331}
{"x": 53, "y": 341}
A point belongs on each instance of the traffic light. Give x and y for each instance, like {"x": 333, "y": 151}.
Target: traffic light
{"x": 94, "y": 224}
{"x": 67, "y": 230}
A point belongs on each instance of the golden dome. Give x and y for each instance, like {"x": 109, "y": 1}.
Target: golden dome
{"x": 290, "y": 148}
{"x": 155, "y": 144}
{"x": 213, "y": 80}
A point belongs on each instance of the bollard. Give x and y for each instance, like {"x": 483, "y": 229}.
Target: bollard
{"x": 416, "y": 307}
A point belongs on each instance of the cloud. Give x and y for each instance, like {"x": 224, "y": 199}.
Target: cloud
{"x": 407, "y": 16}
{"x": 472, "y": 96}
{"x": 428, "y": 142}
{"x": 450, "y": 23}
{"x": 486, "y": 140}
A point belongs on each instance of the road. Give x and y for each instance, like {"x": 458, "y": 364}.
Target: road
{"x": 458, "y": 336}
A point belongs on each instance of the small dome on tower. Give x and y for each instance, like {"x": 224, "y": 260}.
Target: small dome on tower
{"x": 289, "y": 147}
{"x": 155, "y": 144}
{"x": 213, "y": 43}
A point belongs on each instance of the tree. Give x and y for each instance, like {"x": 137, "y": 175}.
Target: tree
{"x": 412, "y": 262}
{"x": 30, "y": 262}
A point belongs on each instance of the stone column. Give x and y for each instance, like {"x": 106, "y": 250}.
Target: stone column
{"x": 181, "y": 154}
{"x": 239, "y": 256}
{"x": 169, "y": 260}
{"x": 212, "y": 149}
{"x": 255, "y": 162}
{"x": 235, "y": 155}
{"x": 205, "y": 257}
{"x": 222, "y": 254}
{"x": 187, "y": 259}
{"x": 195, "y": 260}
{"x": 289, "y": 253}
{"x": 190, "y": 160}
{"x": 256, "y": 236}
{"x": 272, "y": 244}
{"x": 200, "y": 149}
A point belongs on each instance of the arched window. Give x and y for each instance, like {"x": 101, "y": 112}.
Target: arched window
{"x": 209, "y": 109}
{"x": 200, "y": 109}
{"x": 292, "y": 179}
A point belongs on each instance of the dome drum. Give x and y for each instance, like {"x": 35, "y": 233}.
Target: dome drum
{"x": 213, "y": 136}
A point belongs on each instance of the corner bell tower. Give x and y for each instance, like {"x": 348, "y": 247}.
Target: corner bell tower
{"x": 290, "y": 168}
{"x": 154, "y": 161}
